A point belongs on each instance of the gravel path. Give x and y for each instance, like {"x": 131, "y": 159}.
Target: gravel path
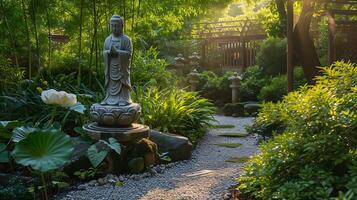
{"x": 206, "y": 176}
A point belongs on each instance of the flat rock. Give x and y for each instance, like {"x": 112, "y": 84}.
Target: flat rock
{"x": 178, "y": 147}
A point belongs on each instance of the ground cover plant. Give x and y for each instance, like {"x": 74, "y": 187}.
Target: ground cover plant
{"x": 175, "y": 111}
{"x": 315, "y": 156}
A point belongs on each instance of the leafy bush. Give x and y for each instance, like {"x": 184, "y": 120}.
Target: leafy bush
{"x": 215, "y": 86}
{"x": 277, "y": 86}
{"x": 275, "y": 90}
{"x": 147, "y": 68}
{"x": 15, "y": 190}
{"x": 270, "y": 119}
{"x": 9, "y": 75}
{"x": 272, "y": 56}
{"x": 175, "y": 111}
{"x": 315, "y": 157}
{"x": 252, "y": 81}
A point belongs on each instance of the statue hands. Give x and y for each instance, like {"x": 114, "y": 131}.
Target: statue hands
{"x": 113, "y": 51}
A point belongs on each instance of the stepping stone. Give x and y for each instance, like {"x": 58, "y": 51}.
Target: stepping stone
{"x": 230, "y": 145}
{"x": 233, "y": 135}
{"x": 223, "y": 126}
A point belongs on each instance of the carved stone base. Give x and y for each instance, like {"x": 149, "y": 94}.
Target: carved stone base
{"x": 131, "y": 133}
{"x": 117, "y": 116}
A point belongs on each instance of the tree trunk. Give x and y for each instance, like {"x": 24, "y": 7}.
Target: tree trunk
{"x": 34, "y": 23}
{"x": 49, "y": 33}
{"x": 138, "y": 14}
{"x": 95, "y": 34}
{"x": 282, "y": 16}
{"x": 11, "y": 38}
{"x": 124, "y": 10}
{"x": 304, "y": 45}
{"x": 133, "y": 15}
{"x": 80, "y": 45}
{"x": 27, "y": 40}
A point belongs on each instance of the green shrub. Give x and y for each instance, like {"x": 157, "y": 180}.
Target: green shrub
{"x": 275, "y": 90}
{"x": 15, "y": 190}
{"x": 277, "y": 86}
{"x": 215, "y": 86}
{"x": 270, "y": 120}
{"x": 315, "y": 157}
{"x": 10, "y": 76}
{"x": 175, "y": 111}
{"x": 272, "y": 56}
{"x": 252, "y": 81}
{"x": 147, "y": 68}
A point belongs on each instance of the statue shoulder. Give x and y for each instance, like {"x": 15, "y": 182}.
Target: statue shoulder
{"x": 127, "y": 38}
{"x": 108, "y": 39}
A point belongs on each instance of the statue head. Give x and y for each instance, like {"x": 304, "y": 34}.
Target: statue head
{"x": 116, "y": 25}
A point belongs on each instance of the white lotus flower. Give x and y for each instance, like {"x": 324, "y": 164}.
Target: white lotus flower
{"x": 61, "y": 98}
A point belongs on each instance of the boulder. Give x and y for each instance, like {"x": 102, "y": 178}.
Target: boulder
{"x": 147, "y": 150}
{"x": 79, "y": 159}
{"x": 136, "y": 165}
{"x": 236, "y": 109}
{"x": 177, "y": 147}
{"x": 252, "y": 108}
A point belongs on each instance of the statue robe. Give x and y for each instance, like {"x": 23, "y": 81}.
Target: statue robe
{"x": 117, "y": 71}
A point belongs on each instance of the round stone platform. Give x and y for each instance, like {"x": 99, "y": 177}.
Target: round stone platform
{"x": 107, "y": 115}
{"x": 131, "y": 133}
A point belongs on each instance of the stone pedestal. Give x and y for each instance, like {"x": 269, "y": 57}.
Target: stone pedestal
{"x": 132, "y": 133}
{"x": 235, "y": 80}
{"x": 193, "y": 80}
{"x": 117, "y": 116}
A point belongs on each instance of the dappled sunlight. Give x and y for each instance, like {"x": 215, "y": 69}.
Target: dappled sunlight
{"x": 173, "y": 100}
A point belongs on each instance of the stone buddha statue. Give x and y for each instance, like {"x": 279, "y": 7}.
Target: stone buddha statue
{"x": 117, "y": 56}
{"x": 117, "y": 108}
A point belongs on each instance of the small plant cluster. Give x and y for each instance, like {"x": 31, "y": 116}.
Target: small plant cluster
{"x": 175, "y": 111}
{"x": 215, "y": 86}
{"x": 265, "y": 81}
{"x": 314, "y": 156}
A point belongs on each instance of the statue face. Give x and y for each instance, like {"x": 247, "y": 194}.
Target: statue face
{"x": 116, "y": 27}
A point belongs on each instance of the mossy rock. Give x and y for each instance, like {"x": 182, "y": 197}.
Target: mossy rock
{"x": 136, "y": 165}
{"x": 234, "y": 109}
{"x": 252, "y": 108}
{"x": 146, "y": 149}
{"x": 177, "y": 147}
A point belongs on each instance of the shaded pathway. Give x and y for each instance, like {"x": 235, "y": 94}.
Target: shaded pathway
{"x": 206, "y": 176}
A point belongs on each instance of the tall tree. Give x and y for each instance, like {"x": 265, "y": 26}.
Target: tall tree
{"x": 34, "y": 24}
{"x": 10, "y": 34}
{"x": 24, "y": 13}
{"x": 80, "y": 44}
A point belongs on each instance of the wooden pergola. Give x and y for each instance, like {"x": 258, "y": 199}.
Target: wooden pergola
{"x": 336, "y": 19}
{"x": 234, "y": 42}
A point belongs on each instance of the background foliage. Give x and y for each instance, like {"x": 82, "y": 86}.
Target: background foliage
{"x": 314, "y": 157}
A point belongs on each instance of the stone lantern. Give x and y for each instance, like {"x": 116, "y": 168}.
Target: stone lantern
{"x": 180, "y": 60}
{"x": 194, "y": 59}
{"x": 193, "y": 79}
{"x": 235, "y": 82}
{"x": 180, "y": 64}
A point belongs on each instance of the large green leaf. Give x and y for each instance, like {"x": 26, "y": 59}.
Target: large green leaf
{"x": 6, "y": 128}
{"x": 21, "y": 133}
{"x": 4, "y": 154}
{"x": 113, "y": 144}
{"x": 44, "y": 150}
{"x": 78, "y": 107}
{"x": 96, "y": 156}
